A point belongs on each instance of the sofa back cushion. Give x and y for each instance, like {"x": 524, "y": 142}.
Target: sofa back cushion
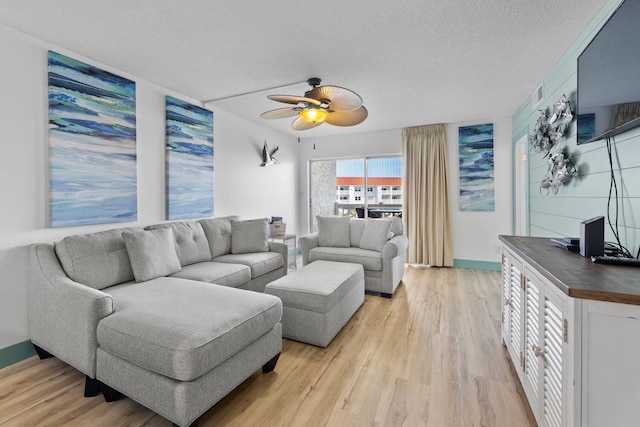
{"x": 356, "y": 228}
{"x": 218, "y": 232}
{"x": 97, "y": 260}
{"x": 152, "y": 253}
{"x": 249, "y": 236}
{"x": 191, "y": 243}
{"x": 376, "y": 234}
{"x": 333, "y": 231}
{"x": 396, "y": 226}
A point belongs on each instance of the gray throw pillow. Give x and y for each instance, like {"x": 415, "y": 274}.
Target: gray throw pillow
{"x": 333, "y": 231}
{"x": 376, "y": 234}
{"x": 152, "y": 253}
{"x": 249, "y": 236}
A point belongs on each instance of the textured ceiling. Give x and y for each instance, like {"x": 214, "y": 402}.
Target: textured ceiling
{"x": 414, "y": 62}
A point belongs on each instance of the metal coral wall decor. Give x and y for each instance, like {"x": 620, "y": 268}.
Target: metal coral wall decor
{"x": 548, "y": 131}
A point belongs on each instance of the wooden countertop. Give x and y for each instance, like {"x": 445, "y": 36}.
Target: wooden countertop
{"x": 575, "y": 275}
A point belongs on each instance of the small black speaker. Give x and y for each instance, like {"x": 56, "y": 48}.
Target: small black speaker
{"x": 592, "y": 237}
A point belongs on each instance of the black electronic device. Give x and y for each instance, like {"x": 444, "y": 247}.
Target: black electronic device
{"x": 592, "y": 237}
{"x": 608, "y": 96}
{"x": 564, "y": 244}
{"x": 613, "y": 260}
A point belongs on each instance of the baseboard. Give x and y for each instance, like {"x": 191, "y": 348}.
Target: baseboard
{"x": 16, "y": 353}
{"x": 478, "y": 265}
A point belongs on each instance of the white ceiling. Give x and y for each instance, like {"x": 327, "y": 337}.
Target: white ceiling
{"x": 414, "y": 62}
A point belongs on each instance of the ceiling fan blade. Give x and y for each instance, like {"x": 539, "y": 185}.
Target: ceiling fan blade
{"x": 302, "y": 124}
{"x": 292, "y": 99}
{"x": 342, "y": 99}
{"x": 347, "y": 118}
{"x": 281, "y": 113}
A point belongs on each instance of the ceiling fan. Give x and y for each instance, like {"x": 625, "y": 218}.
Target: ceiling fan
{"x": 335, "y": 105}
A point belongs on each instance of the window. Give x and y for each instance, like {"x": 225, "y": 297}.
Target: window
{"x": 339, "y": 186}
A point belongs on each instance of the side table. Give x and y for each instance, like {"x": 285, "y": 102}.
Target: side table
{"x": 290, "y": 241}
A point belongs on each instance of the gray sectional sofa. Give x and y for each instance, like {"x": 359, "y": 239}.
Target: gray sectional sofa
{"x": 378, "y": 245}
{"x": 162, "y": 314}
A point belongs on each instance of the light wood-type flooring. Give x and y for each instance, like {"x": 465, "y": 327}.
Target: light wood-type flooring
{"x": 430, "y": 356}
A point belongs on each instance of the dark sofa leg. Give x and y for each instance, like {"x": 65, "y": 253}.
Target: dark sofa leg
{"x": 42, "y": 354}
{"x": 271, "y": 364}
{"x": 382, "y": 294}
{"x": 110, "y": 394}
{"x": 91, "y": 387}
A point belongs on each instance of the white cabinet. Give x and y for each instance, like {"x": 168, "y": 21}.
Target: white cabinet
{"x": 611, "y": 364}
{"x": 572, "y": 328}
{"x": 536, "y": 333}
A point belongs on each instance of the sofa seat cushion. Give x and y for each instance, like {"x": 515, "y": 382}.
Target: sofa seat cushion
{"x": 220, "y": 273}
{"x": 370, "y": 260}
{"x": 259, "y": 262}
{"x": 182, "y": 328}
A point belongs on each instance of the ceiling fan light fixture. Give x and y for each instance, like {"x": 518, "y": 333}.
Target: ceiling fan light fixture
{"x": 313, "y": 115}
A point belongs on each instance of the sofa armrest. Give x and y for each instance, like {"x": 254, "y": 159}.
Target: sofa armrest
{"x": 282, "y": 249}
{"x": 397, "y": 245}
{"x": 307, "y": 243}
{"x": 63, "y": 314}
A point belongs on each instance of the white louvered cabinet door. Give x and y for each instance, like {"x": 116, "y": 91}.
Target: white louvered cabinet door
{"x": 545, "y": 338}
{"x": 552, "y": 387}
{"x": 512, "y": 320}
{"x": 533, "y": 347}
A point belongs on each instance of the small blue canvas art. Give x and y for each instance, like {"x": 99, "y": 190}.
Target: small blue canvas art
{"x": 476, "y": 168}
{"x": 189, "y": 160}
{"x": 92, "y": 144}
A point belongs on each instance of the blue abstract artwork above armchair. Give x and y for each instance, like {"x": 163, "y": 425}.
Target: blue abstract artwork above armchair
{"x": 92, "y": 144}
{"x": 189, "y": 160}
{"x": 475, "y": 145}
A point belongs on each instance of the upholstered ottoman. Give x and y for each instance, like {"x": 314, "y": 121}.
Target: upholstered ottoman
{"x": 318, "y": 300}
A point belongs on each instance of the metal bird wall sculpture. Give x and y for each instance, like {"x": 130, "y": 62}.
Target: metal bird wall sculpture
{"x": 267, "y": 156}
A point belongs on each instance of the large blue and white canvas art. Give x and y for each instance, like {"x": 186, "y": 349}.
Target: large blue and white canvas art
{"x": 189, "y": 160}
{"x": 476, "y": 168}
{"x": 92, "y": 144}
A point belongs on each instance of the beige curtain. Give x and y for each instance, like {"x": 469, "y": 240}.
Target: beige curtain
{"x": 425, "y": 210}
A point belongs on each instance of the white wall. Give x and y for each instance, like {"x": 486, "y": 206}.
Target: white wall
{"x": 475, "y": 234}
{"x": 242, "y": 187}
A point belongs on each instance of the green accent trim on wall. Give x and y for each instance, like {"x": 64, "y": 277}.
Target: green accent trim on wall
{"x": 16, "y": 353}
{"x": 478, "y": 265}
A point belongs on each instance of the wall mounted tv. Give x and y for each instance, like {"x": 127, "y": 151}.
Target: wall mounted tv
{"x": 609, "y": 77}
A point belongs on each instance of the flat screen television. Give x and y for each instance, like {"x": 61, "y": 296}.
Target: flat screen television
{"x": 608, "y": 96}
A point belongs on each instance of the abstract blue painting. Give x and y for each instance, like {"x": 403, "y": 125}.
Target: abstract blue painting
{"x": 189, "y": 160}
{"x": 476, "y": 168}
{"x": 92, "y": 144}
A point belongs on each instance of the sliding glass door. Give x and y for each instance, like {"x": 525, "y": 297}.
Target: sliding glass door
{"x": 362, "y": 187}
